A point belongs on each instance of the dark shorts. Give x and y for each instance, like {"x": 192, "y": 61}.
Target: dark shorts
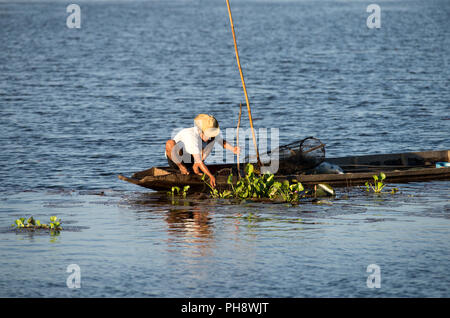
{"x": 188, "y": 165}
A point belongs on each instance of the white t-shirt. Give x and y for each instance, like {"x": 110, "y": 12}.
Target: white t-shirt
{"x": 191, "y": 143}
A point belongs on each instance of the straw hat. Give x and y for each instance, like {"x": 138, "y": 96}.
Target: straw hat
{"x": 207, "y": 124}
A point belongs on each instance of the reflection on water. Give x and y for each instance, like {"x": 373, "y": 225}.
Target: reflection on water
{"x": 194, "y": 224}
{"x": 190, "y": 231}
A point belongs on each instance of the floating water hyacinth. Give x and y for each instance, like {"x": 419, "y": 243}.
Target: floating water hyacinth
{"x": 378, "y": 184}
{"x": 32, "y": 224}
{"x": 178, "y": 191}
{"x": 259, "y": 187}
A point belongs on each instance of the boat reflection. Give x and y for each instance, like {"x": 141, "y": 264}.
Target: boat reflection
{"x": 190, "y": 228}
{"x": 194, "y": 223}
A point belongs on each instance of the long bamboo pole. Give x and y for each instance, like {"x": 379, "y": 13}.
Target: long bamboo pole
{"x": 237, "y": 138}
{"x": 243, "y": 84}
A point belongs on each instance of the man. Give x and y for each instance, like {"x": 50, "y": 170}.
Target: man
{"x": 190, "y": 147}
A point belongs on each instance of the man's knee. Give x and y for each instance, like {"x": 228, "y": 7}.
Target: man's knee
{"x": 173, "y": 151}
{"x": 169, "y": 146}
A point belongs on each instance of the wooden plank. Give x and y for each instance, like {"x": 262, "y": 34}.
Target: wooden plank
{"x": 423, "y": 158}
{"x": 131, "y": 180}
{"x": 350, "y": 179}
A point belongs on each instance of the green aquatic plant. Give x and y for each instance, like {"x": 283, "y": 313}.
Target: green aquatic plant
{"x": 252, "y": 185}
{"x": 226, "y": 194}
{"x": 289, "y": 192}
{"x": 178, "y": 191}
{"x": 32, "y": 224}
{"x": 19, "y": 223}
{"x": 378, "y": 184}
{"x": 394, "y": 190}
{"x": 55, "y": 224}
{"x": 263, "y": 186}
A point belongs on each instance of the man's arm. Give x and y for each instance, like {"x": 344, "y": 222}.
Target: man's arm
{"x": 200, "y": 164}
{"x": 228, "y": 146}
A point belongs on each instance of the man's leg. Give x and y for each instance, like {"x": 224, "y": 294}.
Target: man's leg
{"x": 170, "y": 144}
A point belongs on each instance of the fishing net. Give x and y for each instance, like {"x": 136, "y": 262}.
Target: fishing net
{"x": 299, "y": 156}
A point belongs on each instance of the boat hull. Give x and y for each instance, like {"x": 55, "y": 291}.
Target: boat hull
{"x": 398, "y": 168}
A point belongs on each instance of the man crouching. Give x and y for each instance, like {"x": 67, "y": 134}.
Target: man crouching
{"x": 190, "y": 147}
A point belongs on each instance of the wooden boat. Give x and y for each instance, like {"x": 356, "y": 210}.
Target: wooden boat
{"x": 398, "y": 168}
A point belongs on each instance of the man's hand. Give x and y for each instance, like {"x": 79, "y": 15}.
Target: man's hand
{"x": 200, "y": 165}
{"x": 196, "y": 169}
{"x": 212, "y": 181}
{"x": 235, "y": 149}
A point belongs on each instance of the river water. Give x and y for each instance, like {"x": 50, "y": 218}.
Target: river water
{"x": 80, "y": 106}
